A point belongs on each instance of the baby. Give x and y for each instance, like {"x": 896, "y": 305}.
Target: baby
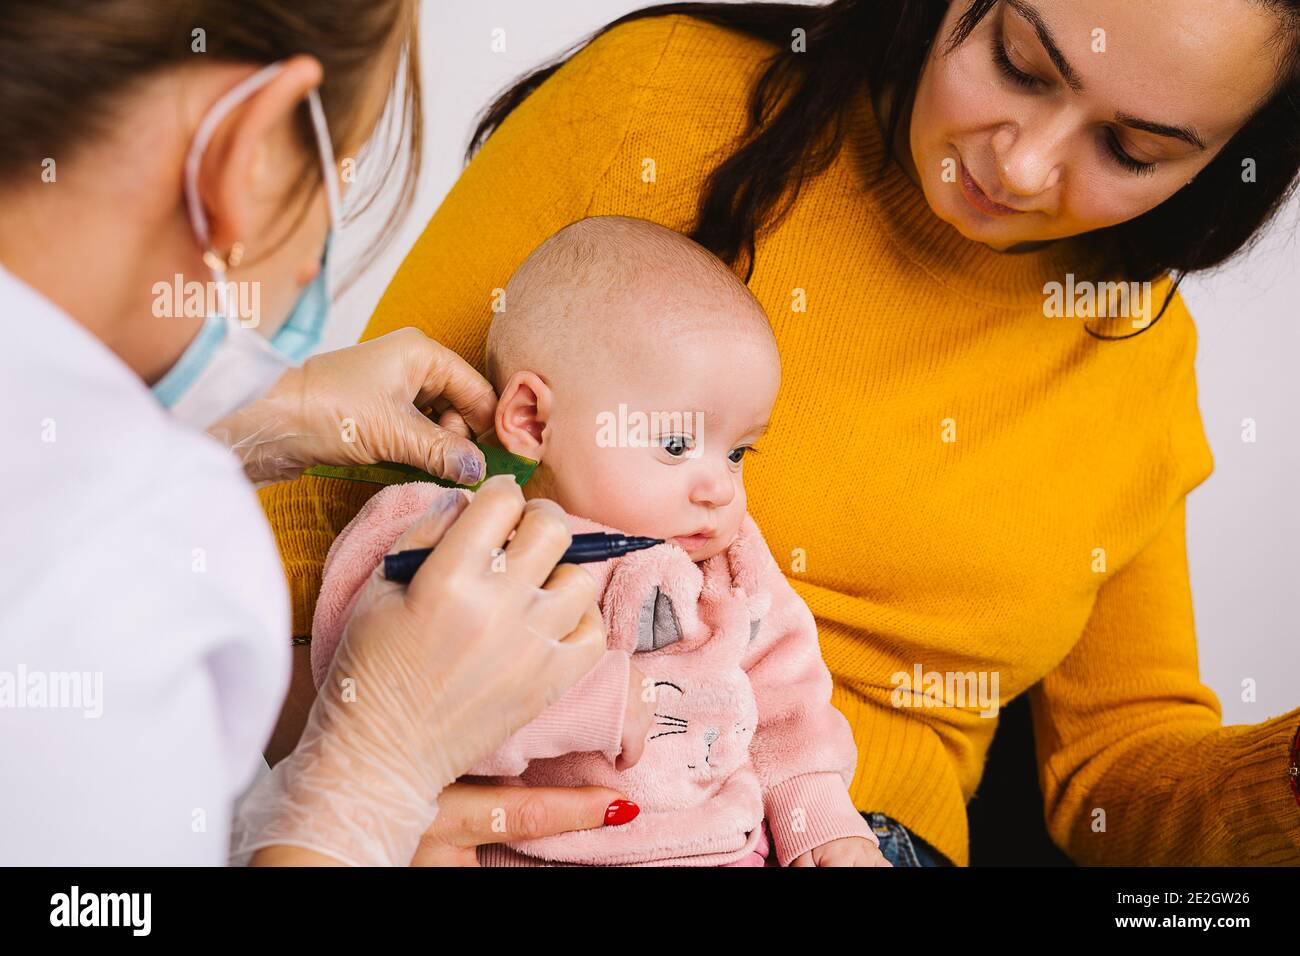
{"x": 639, "y": 371}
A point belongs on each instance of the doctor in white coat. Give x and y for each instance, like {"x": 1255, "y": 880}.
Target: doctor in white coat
{"x": 144, "y": 617}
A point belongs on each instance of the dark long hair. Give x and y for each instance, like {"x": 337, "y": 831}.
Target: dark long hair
{"x": 799, "y": 103}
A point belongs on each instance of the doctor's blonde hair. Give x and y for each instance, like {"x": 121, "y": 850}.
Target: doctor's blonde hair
{"x": 65, "y": 63}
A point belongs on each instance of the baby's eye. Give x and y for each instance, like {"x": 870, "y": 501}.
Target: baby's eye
{"x": 738, "y": 454}
{"x": 676, "y": 445}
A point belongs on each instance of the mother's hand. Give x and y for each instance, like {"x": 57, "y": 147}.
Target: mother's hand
{"x": 365, "y": 404}
{"x": 472, "y": 815}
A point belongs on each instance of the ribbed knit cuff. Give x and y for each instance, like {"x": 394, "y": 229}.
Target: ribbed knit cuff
{"x": 809, "y": 810}
{"x": 594, "y": 709}
{"x": 1293, "y": 768}
{"x": 1258, "y": 801}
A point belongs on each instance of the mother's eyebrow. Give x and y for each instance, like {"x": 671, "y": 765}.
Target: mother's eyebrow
{"x": 1071, "y": 76}
{"x": 1186, "y": 133}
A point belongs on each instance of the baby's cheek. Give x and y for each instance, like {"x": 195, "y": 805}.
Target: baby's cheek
{"x": 613, "y": 486}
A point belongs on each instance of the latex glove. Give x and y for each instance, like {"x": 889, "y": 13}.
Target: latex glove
{"x": 429, "y": 679}
{"x": 363, "y": 404}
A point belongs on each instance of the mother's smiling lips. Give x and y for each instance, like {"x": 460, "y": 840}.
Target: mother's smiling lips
{"x": 978, "y": 198}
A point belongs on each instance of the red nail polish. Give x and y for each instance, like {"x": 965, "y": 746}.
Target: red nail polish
{"x": 620, "y": 811}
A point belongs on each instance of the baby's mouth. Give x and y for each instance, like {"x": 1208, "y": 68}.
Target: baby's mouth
{"x": 693, "y": 542}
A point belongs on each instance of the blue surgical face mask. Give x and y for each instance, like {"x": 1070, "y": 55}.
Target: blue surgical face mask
{"x": 229, "y": 364}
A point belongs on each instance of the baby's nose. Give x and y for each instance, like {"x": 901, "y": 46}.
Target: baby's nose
{"x": 715, "y": 489}
{"x": 710, "y": 736}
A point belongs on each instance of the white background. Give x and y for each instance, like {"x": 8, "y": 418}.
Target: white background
{"x": 1244, "y": 525}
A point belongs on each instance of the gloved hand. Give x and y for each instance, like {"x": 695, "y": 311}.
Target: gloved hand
{"x": 364, "y": 404}
{"x": 429, "y": 679}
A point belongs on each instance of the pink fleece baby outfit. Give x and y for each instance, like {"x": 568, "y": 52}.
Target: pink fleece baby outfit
{"x": 744, "y": 729}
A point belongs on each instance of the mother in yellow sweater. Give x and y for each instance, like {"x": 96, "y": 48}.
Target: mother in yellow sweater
{"x": 976, "y": 473}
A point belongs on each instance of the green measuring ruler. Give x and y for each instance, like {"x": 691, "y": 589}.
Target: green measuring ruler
{"x": 498, "y": 460}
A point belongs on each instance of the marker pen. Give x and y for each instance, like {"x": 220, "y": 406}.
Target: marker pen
{"x": 585, "y": 549}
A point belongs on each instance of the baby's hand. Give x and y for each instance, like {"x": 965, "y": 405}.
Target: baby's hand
{"x": 637, "y": 720}
{"x": 847, "y": 851}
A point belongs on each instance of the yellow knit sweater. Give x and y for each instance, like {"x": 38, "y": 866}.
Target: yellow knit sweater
{"x": 956, "y": 484}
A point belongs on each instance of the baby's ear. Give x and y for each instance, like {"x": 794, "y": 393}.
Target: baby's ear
{"x": 523, "y": 410}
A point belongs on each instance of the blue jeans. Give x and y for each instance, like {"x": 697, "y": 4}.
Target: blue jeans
{"x": 900, "y": 846}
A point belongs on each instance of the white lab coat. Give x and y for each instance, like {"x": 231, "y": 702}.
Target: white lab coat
{"x": 135, "y": 557}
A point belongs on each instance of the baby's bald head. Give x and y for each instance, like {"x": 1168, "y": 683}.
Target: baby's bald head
{"x": 610, "y": 290}
{"x": 638, "y": 370}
